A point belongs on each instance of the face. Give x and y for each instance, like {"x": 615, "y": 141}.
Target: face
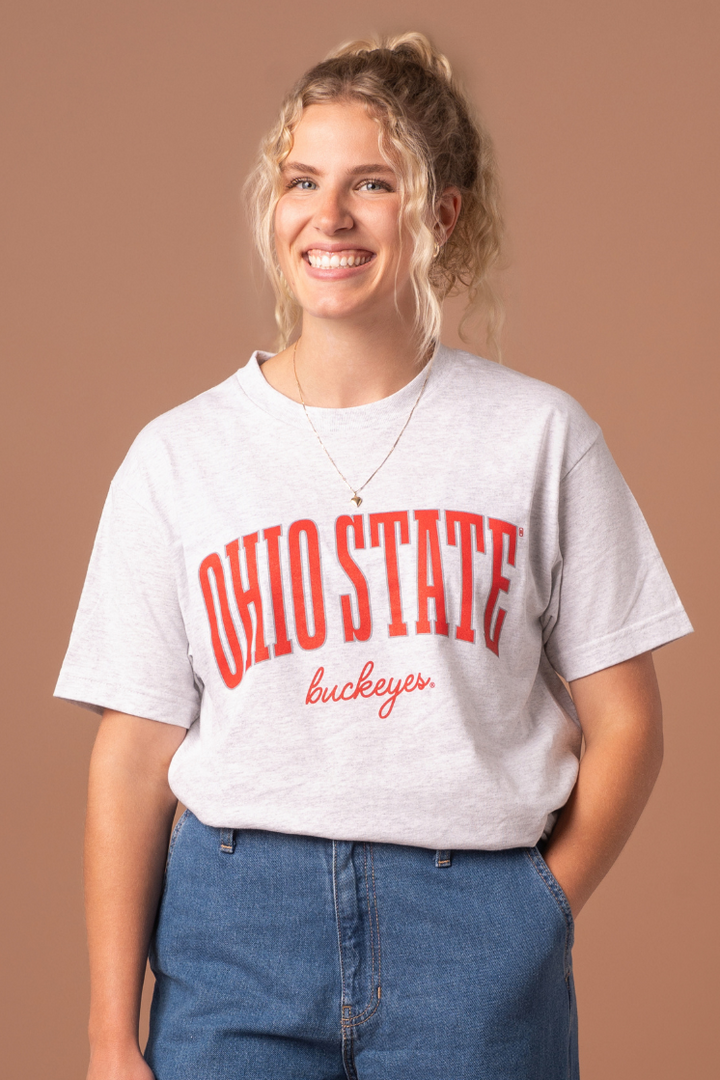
{"x": 336, "y": 223}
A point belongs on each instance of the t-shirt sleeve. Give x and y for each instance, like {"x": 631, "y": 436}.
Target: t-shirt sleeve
{"x": 612, "y": 595}
{"x": 128, "y": 649}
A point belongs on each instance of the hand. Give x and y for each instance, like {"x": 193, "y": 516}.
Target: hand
{"x": 114, "y": 1064}
{"x": 573, "y": 896}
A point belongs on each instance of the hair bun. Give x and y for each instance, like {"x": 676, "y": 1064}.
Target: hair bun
{"x": 412, "y": 45}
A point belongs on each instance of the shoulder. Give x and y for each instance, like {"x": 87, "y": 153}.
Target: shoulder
{"x": 509, "y": 389}
{"x": 517, "y": 404}
{"x": 163, "y": 448}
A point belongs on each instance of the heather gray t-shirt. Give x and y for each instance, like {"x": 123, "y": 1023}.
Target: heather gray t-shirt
{"x": 384, "y": 672}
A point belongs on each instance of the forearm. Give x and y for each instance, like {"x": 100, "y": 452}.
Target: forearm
{"x": 621, "y": 716}
{"x": 129, "y": 817}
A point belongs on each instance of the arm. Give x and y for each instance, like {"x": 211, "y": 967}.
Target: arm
{"x": 129, "y": 817}
{"x": 621, "y": 718}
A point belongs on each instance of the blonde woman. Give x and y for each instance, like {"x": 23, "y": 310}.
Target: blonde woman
{"x": 329, "y": 608}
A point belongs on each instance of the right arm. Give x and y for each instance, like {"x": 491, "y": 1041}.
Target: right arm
{"x": 129, "y": 818}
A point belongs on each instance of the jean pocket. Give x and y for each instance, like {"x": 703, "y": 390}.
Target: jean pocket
{"x": 554, "y": 887}
{"x": 173, "y": 840}
{"x": 555, "y": 890}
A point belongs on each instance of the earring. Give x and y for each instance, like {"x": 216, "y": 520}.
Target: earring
{"x": 436, "y": 250}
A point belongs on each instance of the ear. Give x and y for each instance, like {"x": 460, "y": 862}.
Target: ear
{"x": 447, "y": 209}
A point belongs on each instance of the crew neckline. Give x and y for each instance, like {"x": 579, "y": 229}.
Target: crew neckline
{"x": 376, "y": 413}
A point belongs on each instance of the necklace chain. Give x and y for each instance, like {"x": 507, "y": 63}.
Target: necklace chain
{"x": 355, "y": 497}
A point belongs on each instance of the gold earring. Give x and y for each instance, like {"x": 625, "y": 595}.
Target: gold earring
{"x": 436, "y": 250}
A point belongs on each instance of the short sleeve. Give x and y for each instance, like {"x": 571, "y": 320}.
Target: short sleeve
{"x": 612, "y": 597}
{"x": 128, "y": 649}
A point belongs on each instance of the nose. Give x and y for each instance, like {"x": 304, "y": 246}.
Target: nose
{"x": 332, "y": 213}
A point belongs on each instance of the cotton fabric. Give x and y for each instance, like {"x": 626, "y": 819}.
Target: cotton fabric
{"x": 386, "y": 672}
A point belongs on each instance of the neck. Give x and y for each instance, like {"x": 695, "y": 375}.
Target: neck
{"x": 340, "y": 365}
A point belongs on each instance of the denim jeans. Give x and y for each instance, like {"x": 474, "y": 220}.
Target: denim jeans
{"x": 283, "y": 957}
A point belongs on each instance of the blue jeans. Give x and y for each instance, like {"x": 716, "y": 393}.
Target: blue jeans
{"x": 282, "y": 957}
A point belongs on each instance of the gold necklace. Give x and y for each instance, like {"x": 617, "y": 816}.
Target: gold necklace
{"x": 355, "y": 498}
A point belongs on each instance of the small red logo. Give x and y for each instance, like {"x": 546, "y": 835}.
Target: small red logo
{"x": 365, "y": 687}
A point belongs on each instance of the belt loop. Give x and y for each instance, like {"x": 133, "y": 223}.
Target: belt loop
{"x": 227, "y": 841}
{"x": 443, "y": 858}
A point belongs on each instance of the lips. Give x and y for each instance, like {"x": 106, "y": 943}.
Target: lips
{"x": 323, "y": 259}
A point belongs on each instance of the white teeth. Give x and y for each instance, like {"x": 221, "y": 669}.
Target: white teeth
{"x": 328, "y": 261}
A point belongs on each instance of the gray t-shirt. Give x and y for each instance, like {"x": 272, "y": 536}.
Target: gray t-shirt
{"x": 384, "y": 672}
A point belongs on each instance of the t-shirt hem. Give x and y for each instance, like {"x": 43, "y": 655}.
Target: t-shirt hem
{"x": 485, "y": 838}
{"x": 99, "y": 696}
{"x": 625, "y": 643}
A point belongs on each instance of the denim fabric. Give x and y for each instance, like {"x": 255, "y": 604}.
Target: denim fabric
{"x": 282, "y": 957}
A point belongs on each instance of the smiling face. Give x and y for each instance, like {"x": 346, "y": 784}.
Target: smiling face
{"x": 337, "y": 222}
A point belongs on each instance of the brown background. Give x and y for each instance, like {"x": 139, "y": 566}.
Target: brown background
{"x": 128, "y": 288}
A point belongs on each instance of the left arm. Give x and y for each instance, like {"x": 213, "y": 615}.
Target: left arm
{"x": 621, "y": 717}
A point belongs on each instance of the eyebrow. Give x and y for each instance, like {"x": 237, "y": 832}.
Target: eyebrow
{"x": 373, "y": 167}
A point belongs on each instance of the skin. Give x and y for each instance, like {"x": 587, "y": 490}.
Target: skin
{"x": 356, "y": 348}
{"x": 129, "y": 816}
{"x": 357, "y": 343}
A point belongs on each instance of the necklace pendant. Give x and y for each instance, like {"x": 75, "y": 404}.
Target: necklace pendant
{"x": 356, "y": 499}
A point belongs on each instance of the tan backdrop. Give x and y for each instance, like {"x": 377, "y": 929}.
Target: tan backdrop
{"x": 128, "y": 127}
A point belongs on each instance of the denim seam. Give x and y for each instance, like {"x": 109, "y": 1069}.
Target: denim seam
{"x": 171, "y": 847}
{"x": 339, "y": 932}
{"x": 173, "y": 839}
{"x": 370, "y": 921}
{"x": 345, "y": 1027}
{"x": 348, "y": 1053}
{"x": 377, "y": 922}
{"x": 365, "y": 1014}
{"x": 352, "y": 1022}
{"x": 554, "y": 889}
{"x": 570, "y": 995}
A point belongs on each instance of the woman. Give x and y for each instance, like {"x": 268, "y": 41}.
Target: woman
{"x": 335, "y": 597}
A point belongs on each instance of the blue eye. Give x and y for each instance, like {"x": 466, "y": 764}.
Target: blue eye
{"x": 375, "y": 185}
{"x": 300, "y": 183}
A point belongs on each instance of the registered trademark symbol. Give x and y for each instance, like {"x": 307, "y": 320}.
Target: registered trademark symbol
{"x": 432, "y": 684}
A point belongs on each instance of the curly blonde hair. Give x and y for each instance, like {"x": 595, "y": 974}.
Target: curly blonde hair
{"x": 428, "y": 134}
